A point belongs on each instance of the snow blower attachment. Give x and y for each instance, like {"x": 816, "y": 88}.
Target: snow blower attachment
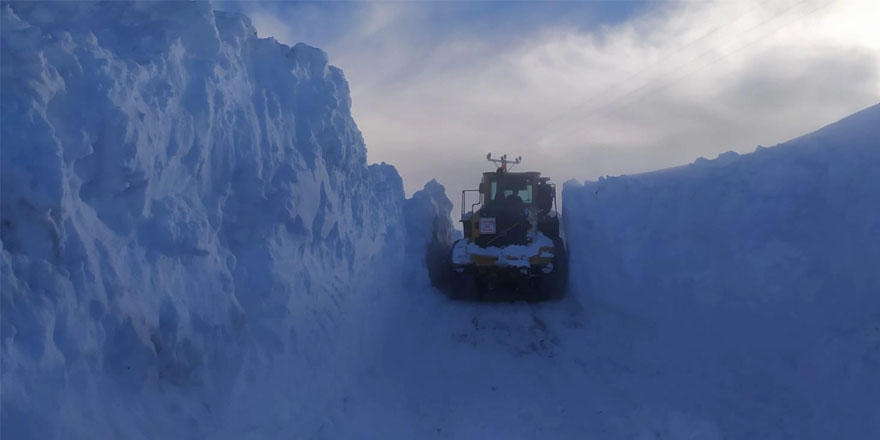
{"x": 511, "y": 246}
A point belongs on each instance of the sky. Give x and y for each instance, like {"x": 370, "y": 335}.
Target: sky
{"x": 583, "y": 89}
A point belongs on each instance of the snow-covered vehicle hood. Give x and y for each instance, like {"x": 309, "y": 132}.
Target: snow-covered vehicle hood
{"x": 466, "y": 252}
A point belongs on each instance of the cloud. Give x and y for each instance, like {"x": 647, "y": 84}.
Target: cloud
{"x": 436, "y": 86}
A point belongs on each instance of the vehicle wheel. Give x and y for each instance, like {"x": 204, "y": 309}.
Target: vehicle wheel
{"x": 461, "y": 285}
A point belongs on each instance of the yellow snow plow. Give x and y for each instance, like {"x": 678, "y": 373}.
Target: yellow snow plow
{"x": 512, "y": 245}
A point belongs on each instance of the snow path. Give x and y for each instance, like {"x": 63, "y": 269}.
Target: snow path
{"x": 581, "y": 369}
{"x": 469, "y": 370}
{"x": 453, "y": 369}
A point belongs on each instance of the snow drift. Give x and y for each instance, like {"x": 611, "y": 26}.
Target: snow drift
{"x": 189, "y": 226}
{"x": 753, "y": 280}
{"x": 429, "y": 235}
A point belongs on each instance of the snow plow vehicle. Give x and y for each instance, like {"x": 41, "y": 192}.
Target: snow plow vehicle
{"x": 512, "y": 247}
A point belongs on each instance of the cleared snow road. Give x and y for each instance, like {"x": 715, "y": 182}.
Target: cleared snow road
{"x": 454, "y": 369}
{"x": 576, "y": 368}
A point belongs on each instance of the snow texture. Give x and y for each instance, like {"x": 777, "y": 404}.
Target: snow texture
{"x": 753, "y": 281}
{"x": 187, "y": 218}
{"x": 429, "y": 234}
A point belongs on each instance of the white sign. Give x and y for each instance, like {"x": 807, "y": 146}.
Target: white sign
{"x": 487, "y": 226}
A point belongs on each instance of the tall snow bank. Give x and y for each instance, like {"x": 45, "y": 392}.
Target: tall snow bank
{"x": 429, "y": 234}
{"x": 754, "y": 280}
{"x": 191, "y": 238}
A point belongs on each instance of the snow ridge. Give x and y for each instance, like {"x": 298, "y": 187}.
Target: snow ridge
{"x": 753, "y": 277}
{"x": 186, "y": 207}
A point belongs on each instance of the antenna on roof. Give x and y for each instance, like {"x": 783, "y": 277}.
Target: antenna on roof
{"x": 504, "y": 162}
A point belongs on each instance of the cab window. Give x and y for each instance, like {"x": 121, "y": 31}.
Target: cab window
{"x": 526, "y": 194}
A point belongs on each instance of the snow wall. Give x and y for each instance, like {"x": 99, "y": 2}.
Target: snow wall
{"x": 750, "y": 283}
{"x": 193, "y": 244}
{"x": 430, "y": 233}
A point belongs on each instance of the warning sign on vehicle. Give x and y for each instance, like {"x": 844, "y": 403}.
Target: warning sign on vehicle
{"x": 487, "y": 225}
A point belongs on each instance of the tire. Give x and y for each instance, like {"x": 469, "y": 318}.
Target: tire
{"x": 554, "y": 284}
{"x": 461, "y": 286}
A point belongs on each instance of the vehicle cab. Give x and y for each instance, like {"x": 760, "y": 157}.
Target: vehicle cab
{"x": 512, "y": 208}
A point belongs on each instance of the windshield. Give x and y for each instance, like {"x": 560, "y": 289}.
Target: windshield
{"x": 509, "y": 187}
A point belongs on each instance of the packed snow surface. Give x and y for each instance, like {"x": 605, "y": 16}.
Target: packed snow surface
{"x": 193, "y": 246}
